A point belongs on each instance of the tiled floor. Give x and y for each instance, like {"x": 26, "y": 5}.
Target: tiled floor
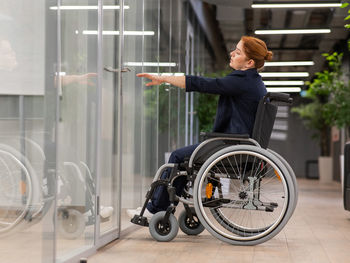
{"x": 319, "y": 231}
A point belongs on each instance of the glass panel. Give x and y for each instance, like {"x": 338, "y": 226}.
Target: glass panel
{"x": 108, "y": 171}
{"x": 150, "y": 94}
{"x": 174, "y": 57}
{"x": 132, "y": 107}
{"x": 77, "y": 128}
{"x": 165, "y": 88}
{"x": 182, "y": 7}
{"x": 27, "y": 138}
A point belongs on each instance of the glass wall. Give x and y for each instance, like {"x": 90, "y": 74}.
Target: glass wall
{"x": 28, "y": 61}
{"x": 109, "y": 134}
{"x": 87, "y": 206}
{"x": 77, "y": 125}
{"x": 76, "y": 147}
{"x": 133, "y": 122}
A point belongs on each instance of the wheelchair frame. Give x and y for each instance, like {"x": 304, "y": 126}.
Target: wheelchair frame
{"x": 210, "y": 212}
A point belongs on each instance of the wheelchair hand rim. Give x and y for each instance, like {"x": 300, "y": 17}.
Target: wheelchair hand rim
{"x": 271, "y": 227}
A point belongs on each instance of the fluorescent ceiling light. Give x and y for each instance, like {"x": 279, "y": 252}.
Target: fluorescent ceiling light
{"x": 87, "y": 7}
{"x": 284, "y": 89}
{"x": 291, "y": 31}
{"x": 295, "y": 5}
{"x": 116, "y": 33}
{"x": 150, "y": 64}
{"x": 289, "y": 63}
{"x": 283, "y": 74}
{"x": 284, "y": 82}
{"x": 281, "y": 125}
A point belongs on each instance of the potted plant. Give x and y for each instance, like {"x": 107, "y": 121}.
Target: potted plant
{"x": 337, "y": 110}
{"x": 330, "y": 106}
{"x": 315, "y": 116}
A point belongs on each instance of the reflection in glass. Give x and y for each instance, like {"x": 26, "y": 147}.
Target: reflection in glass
{"x": 76, "y": 174}
{"x": 27, "y": 169}
{"x": 108, "y": 170}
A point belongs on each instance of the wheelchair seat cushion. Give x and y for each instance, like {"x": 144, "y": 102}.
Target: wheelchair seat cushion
{"x": 208, "y": 135}
{"x": 210, "y": 148}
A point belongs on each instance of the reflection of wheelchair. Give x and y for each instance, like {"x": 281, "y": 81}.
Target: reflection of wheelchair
{"x": 242, "y": 192}
{"x": 26, "y": 195}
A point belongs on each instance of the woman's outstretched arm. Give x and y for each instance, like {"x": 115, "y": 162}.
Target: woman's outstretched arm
{"x": 178, "y": 81}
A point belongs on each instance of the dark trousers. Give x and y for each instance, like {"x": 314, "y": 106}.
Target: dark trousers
{"x": 160, "y": 200}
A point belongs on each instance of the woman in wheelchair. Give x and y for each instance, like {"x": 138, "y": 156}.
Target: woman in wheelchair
{"x": 213, "y": 174}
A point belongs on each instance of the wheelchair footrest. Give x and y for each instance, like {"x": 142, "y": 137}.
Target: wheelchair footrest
{"x": 215, "y": 202}
{"x": 269, "y": 208}
{"x": 274, "y": 204}
{"x": 140, "y": 220}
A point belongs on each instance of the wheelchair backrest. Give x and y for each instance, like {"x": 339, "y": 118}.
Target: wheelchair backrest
{"x": 266, "y": 115}
{"x": 264, "y": 121}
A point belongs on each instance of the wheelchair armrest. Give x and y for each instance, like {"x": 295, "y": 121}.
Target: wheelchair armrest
{"x": 208, "y": 135}
{"x": 278, "y": 97}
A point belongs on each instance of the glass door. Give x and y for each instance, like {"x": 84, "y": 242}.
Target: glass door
{"x": 88, "y": 127}
{"x": 110, "y": 44}
{"x": 76, "y": 128}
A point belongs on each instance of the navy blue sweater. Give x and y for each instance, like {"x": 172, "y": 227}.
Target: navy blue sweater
{"x": 240, "y": 93}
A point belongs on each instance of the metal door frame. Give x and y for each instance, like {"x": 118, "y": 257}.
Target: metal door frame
{"x": 189, "y": 71}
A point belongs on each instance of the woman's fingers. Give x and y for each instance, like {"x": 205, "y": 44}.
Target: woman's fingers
{"x": 155, "y": 79}
{"x": 144, "y": 75}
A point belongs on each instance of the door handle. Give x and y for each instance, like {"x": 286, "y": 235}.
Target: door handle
{"x": 116, "y": 70}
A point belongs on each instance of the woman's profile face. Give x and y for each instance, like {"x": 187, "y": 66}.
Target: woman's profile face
{"x": 238, "y": 60}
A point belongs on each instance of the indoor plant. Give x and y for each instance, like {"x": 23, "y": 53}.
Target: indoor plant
{"x": 313, "y": 113}
{"x": 328, "y": 105}
{"x": 337, "y": 110}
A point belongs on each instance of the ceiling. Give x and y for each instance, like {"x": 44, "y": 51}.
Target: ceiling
{"x": 236, "y": 18}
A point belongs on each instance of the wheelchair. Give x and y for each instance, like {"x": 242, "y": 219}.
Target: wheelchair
{"x": 238, "y": 190}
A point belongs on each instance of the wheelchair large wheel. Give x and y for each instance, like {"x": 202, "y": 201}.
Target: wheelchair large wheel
{"x": 291, "y": 174}
{"x": 16, "y": 189}
{"x": 244, "y": 195}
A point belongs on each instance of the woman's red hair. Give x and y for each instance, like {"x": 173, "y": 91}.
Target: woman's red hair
{"x": 256, "y": 49}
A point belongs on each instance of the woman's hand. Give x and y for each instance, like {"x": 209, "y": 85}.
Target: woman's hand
{"x": 156, "y": 80}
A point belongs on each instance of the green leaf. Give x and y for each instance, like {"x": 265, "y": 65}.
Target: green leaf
{"x": 347, "y": 18}
{"x": 347, "y": 26}
{"x": 344, "y": 5}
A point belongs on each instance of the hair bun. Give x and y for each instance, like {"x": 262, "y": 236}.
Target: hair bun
{"x": 268, "y": 56}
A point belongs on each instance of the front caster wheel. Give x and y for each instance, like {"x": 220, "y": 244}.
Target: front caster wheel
{"x": 163, "y": 232}
{"x": 190, "y": 226}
